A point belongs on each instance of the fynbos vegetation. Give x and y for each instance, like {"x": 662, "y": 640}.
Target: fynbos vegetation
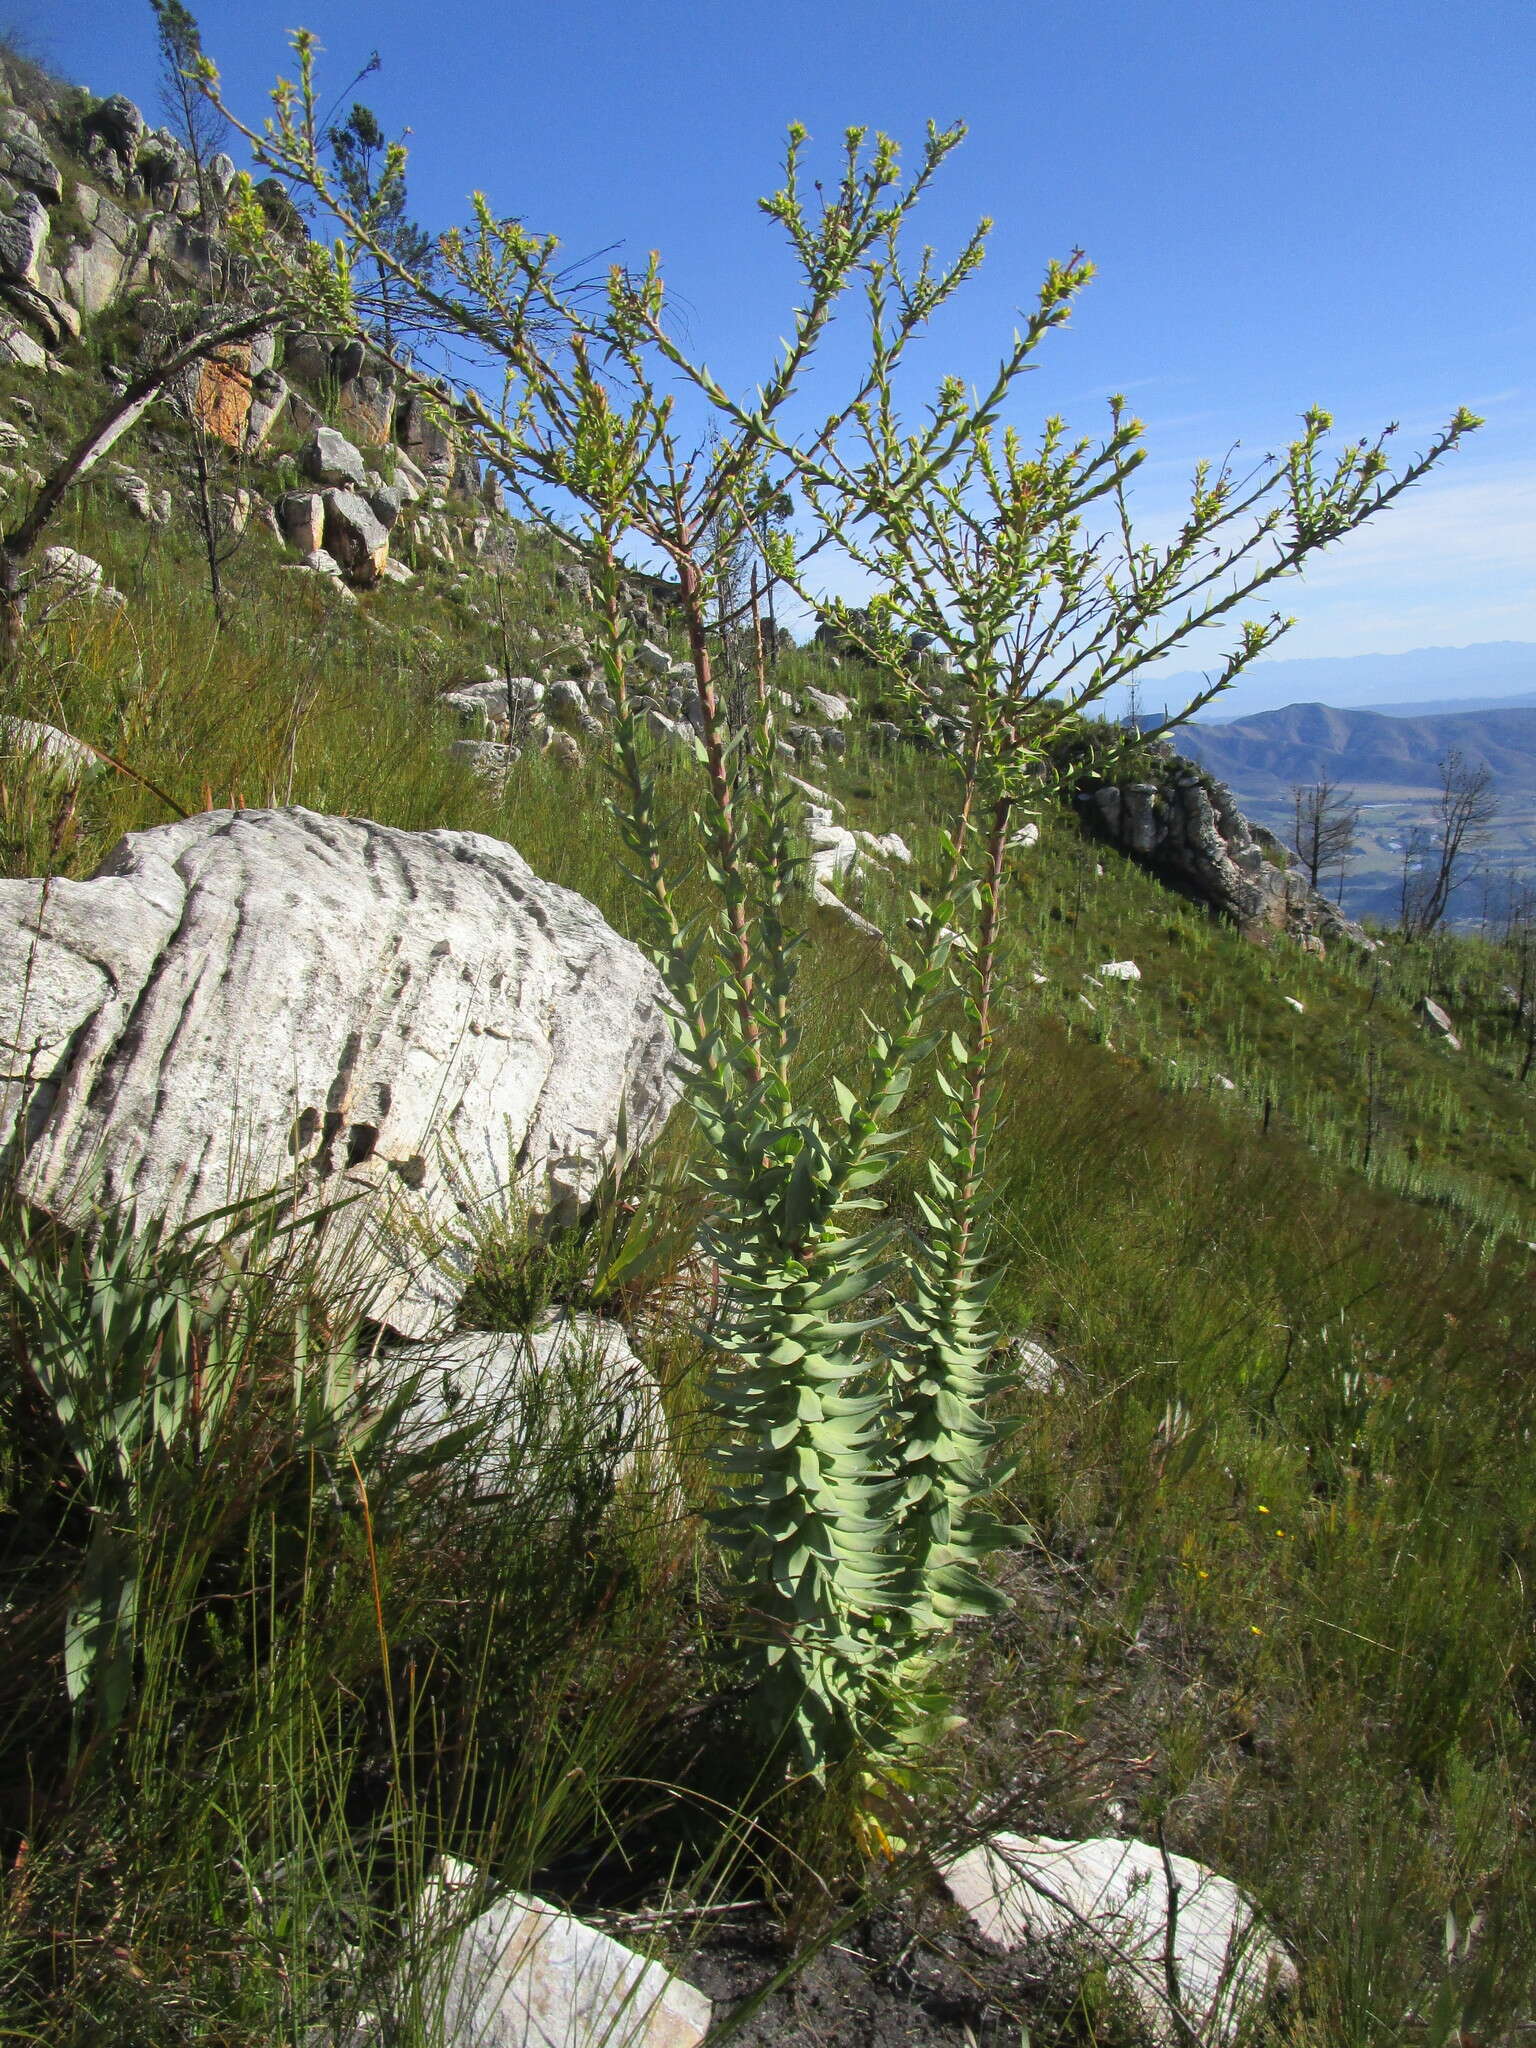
{"x": 993, "y": 1409}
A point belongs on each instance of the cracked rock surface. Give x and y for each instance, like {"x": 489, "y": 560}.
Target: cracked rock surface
{"x": 257, "y": 1000}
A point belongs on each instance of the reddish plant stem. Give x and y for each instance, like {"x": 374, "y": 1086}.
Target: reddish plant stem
{"x": 727, "y": 840}
{"x": 986, "y": 975}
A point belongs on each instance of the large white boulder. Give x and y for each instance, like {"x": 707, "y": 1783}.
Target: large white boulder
{"x": 1033, "y": 1888}
{"x": 834, "y": 855}
{"x": 250, "y": 1000}
{"x": 834, "y": 850}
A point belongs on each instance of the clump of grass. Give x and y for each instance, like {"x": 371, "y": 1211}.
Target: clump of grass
{"x": 350, "y": 1648}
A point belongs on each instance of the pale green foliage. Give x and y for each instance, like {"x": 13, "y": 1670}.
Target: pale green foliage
{"x": 947, "y": 1430}
{"x": 138, "y": 1371}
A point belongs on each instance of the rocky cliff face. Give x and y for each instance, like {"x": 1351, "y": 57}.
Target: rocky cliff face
{"x": 97, "y": 209}
{"x": 1187, "y": 829}
{"x": 94, "y": 204}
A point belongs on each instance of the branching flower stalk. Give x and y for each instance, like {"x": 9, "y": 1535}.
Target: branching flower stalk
{"x": 852, "y": 1473}
{"x": 984, "y": 552}
{"x": 806, "y": 1489}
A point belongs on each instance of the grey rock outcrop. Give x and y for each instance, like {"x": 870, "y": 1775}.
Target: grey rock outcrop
{"x": 93, "y": 272}
{"x": 307, "y": 357}
{"x": 355, "y": 536}
{"x": 830, "y": 709}
{"x": 566, "y": 707}
{"x": 671, "y": 731}
{"x": 386, "y": 502}
{"x": 301, "y": 515}
{"x": 489, "y": 760}
{"x": 433, "y": 450}
{"x": 318, "y": 563}
{"x": 331, "y": 459}
{"x": 153, "y": 507}
{"x": 18, "y": 348}
{"x": 269, "y": 398}
{"x": 273, "y": 999}
{"x": 23, "y": 232}
{"x": 1189, "y": 831}
{"x": 408, "y": 479}
{"x": 495, "y": 703}
{"x": 24, "y": 157}
{"x": 118, "y": 125}
{"x": 366, "y": 405}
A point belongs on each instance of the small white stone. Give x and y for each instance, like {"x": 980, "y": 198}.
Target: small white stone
{"x": 522, "y": 1974}
{"x": 886, "y": 846}
{"x": 1036, "y": 1370}
{"x": 57, "y": 755}
{"x": 833, "y": 709}
{"x": 1018, "y": 1889}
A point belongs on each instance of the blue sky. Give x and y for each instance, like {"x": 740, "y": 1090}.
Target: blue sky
{"x": 1302, "y": 201}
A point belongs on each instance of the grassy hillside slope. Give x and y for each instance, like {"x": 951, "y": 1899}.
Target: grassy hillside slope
{"x": 1276, "y": 1590}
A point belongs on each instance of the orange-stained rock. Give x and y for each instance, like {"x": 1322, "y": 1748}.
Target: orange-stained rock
{"x": 221, "y": 401}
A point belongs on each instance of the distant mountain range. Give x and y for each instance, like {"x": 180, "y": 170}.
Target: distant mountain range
{"x": 1424, "y": 681}
{"x": 1260, "y": 757}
